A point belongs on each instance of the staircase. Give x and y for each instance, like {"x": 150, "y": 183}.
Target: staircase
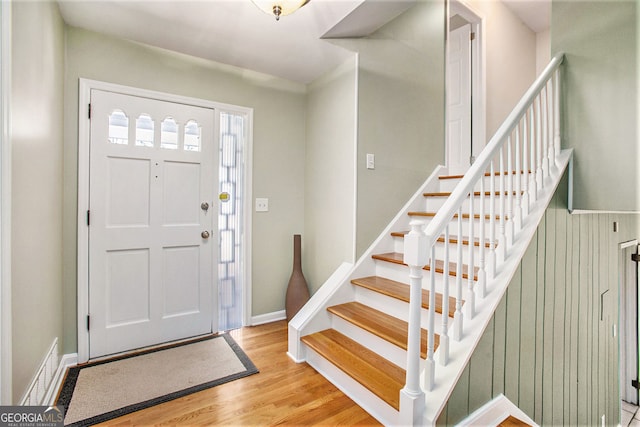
{"x": 396, "y": 330}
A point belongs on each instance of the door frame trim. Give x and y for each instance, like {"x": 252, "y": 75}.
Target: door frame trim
{"x": 84, "y": 136}
{"x": 622, "y": 269}
{"x": 6, "y": 340}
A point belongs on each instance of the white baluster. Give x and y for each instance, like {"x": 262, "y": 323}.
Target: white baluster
{"x": 509, "y": 222}
{"x": 471, "y": 294}
{"x": 444, "y": 335}
{"x": 492, "y": 222}
{"x": 517, "y": 218}
{"x": 482, "y": 274}
{"x": 430, "y": 364}
{"x": 458, "y": 316}
{"x": 502, "y": 239}
{"x": 539, "y": 171}
{"x": 525, "y": 167}
{"x": 533, "y": 194}
{"x": 551, "y": 152}
{"x": 545, "y": 135}
{"x": 412, "y": 401}
{"x": 556, "y": 128}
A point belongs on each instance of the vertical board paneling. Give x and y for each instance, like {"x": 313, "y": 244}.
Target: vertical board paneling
{"x": 512, "y": 343}
{"x": 540, "y": 288}
{"x": 499, "y": 336}
{"x": 458, "y": 405}
{"x": 547, "y": 348}
{"x": 528, "y": 330}
{"x": 559, "y": 310}
{"x": 583, "y": 310}
{"x": 480, "y": 378}
{"x": 549, "y": 286}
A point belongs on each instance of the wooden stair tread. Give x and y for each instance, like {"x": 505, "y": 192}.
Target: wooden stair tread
{"x": 398, "y": 258}
{"x": 387, "y": 327}
{"x": 512, "y": 421}
{"x": 464, "y": 215}
{"x": 377, "y": 374}
{"x": 400, "y": 291}
{"x": 452, "y": 239}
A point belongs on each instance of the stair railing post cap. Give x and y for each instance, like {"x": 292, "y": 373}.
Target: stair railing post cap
{"x": 415, "y": 245}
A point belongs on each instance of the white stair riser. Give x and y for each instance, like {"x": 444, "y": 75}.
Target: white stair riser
{"x": 433, "y": 204}
{"x": 394, "y": 307}
{"x": 440, "y": 250}
{"x": 389, "y": 351}
{"x": 400, "y": 274}
{"x": 453, "y": 227}
{"x": 450, "y": 184}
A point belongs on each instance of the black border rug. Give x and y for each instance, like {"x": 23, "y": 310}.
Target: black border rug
{"x": 71, "y": 378}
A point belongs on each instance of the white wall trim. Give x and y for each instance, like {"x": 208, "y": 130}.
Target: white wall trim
{"x": 589, "y": 212}
{"x": 6, "y": 383}
{"x": 40, "y": 386}
{"x": 494, "y": 412}
{"x": 84, "y": 97}
{"x": 354, "y": 248}
{"x": 66, "y": 361}
{"x": 275, "y": 316}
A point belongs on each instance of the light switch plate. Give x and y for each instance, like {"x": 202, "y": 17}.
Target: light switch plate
{"x": 371, "y": 161}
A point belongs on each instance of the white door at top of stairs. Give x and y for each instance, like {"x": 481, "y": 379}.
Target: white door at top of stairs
{"x": 458, "y": 147}
{"x": 152, "y": 244}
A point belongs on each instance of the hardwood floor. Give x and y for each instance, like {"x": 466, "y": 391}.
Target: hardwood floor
{"x": 283, "y": 393}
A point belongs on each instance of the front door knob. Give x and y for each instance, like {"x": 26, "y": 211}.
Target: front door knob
{"x": 204, "y": 206}
{"x": 205, "y": 234}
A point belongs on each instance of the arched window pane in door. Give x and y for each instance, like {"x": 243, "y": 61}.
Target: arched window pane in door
{"x": 192, "y": 136}
{"x": 118, "y": 128}
{"x": 169, "y": 134}
{"x": 144, "y": 131}
{"x": 230, "y": 220}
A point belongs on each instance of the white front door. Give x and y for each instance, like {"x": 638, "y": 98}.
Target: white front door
{"x": 151, "y": 240}
{"x": 458, "y": 147}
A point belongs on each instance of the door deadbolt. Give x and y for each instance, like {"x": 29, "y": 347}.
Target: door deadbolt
{"x": 204, "y": 206}
{"x": 205, "y": 234}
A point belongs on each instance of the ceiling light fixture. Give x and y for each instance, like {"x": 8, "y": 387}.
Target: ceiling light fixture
{"x": 280, "y": 7}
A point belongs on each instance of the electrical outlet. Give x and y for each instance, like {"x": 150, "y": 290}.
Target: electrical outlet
{"x": 262, "y": 205}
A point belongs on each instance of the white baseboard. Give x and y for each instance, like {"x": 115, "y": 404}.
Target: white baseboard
{"x": 268, "y": 317}
{"x": 66, "y": 361}
{"x": 494, "y": 412}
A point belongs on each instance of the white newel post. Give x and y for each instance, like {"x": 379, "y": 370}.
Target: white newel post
{"x": 412, "y": 398}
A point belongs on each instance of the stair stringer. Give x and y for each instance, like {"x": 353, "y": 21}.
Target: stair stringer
{"x": 460, "y": 352}
{"x": 313, "y": 316}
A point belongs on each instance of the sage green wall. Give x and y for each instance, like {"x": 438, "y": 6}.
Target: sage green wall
{"x": 601, "y": 99}
{"x": 546, "y": 347}
{"x": 329, "y": 206}
{"x": 37, "y": 139}
{"x": 278, "y": 147}
{"x": 400, "y": 113}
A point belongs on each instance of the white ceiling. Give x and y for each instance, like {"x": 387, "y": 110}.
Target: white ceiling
{"x": 536, "y": 14}
{"x": 236, "y": 32}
